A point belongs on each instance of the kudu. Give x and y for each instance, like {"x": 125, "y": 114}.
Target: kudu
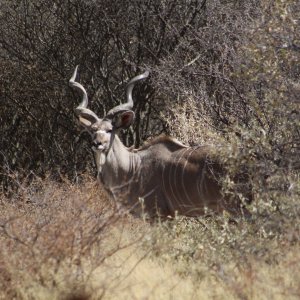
{"x": 163, "y": 178}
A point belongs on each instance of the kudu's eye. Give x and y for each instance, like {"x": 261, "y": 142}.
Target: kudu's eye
{"x": 109, "y": 131}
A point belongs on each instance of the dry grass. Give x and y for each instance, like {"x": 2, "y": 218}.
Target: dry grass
{"x": 151, "y": 280}
{"x": 53, "y": 237}
{"x": 64, "y": 241}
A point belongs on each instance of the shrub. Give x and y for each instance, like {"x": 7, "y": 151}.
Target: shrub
{"x": 54, "y": 237}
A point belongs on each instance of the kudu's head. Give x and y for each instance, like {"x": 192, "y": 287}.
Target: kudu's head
{"x": 103, "y": 130}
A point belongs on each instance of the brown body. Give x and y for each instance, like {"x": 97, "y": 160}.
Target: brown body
{"x": 163, "y": 178}
{"x": 168, "y": 178}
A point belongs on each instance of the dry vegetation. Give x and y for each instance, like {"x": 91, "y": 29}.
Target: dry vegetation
{"x": 222, "y": 72}
{"x": 66, "y": 241}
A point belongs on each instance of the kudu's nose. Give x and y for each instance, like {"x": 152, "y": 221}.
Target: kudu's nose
{"x": 96, "y": 143}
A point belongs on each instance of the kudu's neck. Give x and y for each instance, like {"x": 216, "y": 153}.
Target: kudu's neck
{"x": 119, "y": 165}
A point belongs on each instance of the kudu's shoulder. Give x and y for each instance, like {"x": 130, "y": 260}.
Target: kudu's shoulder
{"x": 162, "y": 142}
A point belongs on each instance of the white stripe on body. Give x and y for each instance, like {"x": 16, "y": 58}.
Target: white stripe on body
{"x": 174, "y": 182}
{"x": 165, "y": 191}
{"x": 182, "y": 177}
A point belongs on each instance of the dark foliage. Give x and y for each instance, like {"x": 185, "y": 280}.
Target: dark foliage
{"x": 238, "y": 61}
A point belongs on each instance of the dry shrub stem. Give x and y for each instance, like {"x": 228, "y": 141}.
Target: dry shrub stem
{"x": 54, "y": 236}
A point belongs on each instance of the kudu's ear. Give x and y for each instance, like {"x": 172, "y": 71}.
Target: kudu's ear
{"x": 84, "y": 122}
{"x": 87, "y": 118}
{"x": 123, "y": 119}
